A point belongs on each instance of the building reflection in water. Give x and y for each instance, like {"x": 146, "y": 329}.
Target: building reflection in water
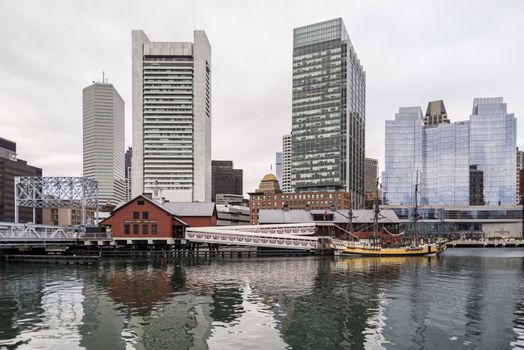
{"x": 447, "y": 302}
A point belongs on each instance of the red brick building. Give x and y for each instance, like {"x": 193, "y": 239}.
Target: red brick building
{"x": 146, "y": 221}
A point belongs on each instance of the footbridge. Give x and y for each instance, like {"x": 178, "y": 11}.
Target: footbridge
{"x": 287, "y": 236}
{"x": 34, "y": 235}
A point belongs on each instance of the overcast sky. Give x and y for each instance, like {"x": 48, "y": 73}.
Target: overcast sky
{"x": 412, "y": 51}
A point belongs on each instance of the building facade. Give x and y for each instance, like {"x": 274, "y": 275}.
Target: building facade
{"x": 103, "y": 141}
{"x": 232, "y": 215}
{"x": 520, "y": 166}
{"x": 172, "y": 117}
{"x": 493, "y": 140}
{"x": 370, "y": 175}
{"x": 476, "y": 186}
{"x": 128, "y": 160}
{"x": 328, "y": 111}
{"x": 11, "y": 167}
{"x": 61, "y": 216}
{"x": 443, "y": 154}
{"x": 278, "y": 166}
{"x": 444, "y": 176}
{"x": 287, "y": 156}
{"x": 225, "y": 179}
{"x": 403, "y": 155}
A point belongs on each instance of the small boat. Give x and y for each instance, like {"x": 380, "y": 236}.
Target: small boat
{"x": 375, "y": 247}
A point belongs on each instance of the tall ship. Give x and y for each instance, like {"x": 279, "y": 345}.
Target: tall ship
{"x": 406, "y": 246}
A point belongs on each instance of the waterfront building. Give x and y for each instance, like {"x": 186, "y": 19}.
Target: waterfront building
{"x": 144, "y": 220}
{"x": 287, "y": 154}
{"x": 370, "y": 175}
{"x": 403, "y": 155}
{"x": 493, "y": 134}
{"x": 231, "y": 215}
{"x": 435, "y": 114}
{"x": 278, "y": 166}
{"x": 127, "y": 162}
{"x": 172, "y": 117}
{"x": 103, "y": 141}
{"x": 11, "y": 167}
{"x": 442, "y": 155}
{"x": 225, "y": 179}
{"x": 464, "y": 220}
{"x": 328, "y": 111}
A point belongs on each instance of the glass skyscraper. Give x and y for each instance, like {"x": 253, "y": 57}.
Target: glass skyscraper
{"x": 328, "y": 124}
{"x": 443, "y": 154}
{"x": 404, "y": 140}
{"x": 492, "y": 149}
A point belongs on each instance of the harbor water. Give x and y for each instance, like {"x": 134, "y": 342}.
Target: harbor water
{"x": 465, "y": 298}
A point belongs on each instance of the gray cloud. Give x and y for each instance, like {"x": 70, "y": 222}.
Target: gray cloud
{"x": 413, "y": 52}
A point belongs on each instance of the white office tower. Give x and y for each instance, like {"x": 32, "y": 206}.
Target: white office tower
{"x": 172, "y": 118}
{"x": 287, "y": 153}
{"x": 103, "y": 141}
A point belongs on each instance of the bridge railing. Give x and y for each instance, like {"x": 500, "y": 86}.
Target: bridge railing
{"x": 12, "y": 231}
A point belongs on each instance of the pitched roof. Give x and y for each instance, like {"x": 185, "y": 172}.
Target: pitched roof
{"x": 158, "y": 204}
{"x": 279, "y": 216}
{"x": 190, "y": 208}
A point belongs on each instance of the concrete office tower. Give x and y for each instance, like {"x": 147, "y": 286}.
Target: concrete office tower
{"x": 493, "y": 134}
{"x": 370, "y": 175}
{"x": 435, "y": 114}
{"x": 329, "y": 104}
{"x": 103, "y": 141}
{"x": 403, "y": 146}
{"x": 278, "y": 166}
{"x": 172, "y": 117}
{"x": 128, "y": 158}
{"x": 287, "y": 153}
{"x": 225, "y": 179}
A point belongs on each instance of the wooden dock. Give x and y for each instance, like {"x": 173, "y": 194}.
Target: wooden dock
{"x": 509, "y": 243}
{"x": 54, "y": 259}
{"x": 243, "y": 253}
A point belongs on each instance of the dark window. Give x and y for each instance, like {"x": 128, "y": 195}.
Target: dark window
{"x": 136, "y": 215}
{"x": 135, "y": 229}
{"x": 140, "y": 202}
{"x": 126, "y": 229}
{"x": 145, "y": 215}
{"x": 154, "y": 229}
{"x": 145, "y": 229}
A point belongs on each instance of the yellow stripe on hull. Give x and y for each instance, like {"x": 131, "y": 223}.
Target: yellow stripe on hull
{"x": 401, "y": 251}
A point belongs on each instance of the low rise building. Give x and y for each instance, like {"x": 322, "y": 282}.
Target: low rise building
{"x": 146, "y": 221}
{"x": 232, "y": 215}
{"x": 269, "y": 196}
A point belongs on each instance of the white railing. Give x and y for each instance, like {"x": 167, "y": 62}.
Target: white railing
{"x": 271, "y": 236}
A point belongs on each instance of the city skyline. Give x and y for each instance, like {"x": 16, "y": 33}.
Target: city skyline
{"x": 460, "y": 57}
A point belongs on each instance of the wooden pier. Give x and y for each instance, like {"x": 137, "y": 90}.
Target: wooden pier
{"x": 509, "y": 243}
{"x": 54, "y": 259}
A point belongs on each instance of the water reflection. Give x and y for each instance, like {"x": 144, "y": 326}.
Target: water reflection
{"x": 466, "y": 298}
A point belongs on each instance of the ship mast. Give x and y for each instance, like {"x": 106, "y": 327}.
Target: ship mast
{"x": 415, "y": 210}
{"x": 375, "y": 218}
{"x": 350, "y": 222}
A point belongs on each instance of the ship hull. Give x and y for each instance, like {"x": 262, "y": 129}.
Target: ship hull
{"x": 427, "y": 249}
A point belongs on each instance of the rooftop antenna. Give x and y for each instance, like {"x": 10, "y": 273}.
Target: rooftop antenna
{"x": 103, "y": 77}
